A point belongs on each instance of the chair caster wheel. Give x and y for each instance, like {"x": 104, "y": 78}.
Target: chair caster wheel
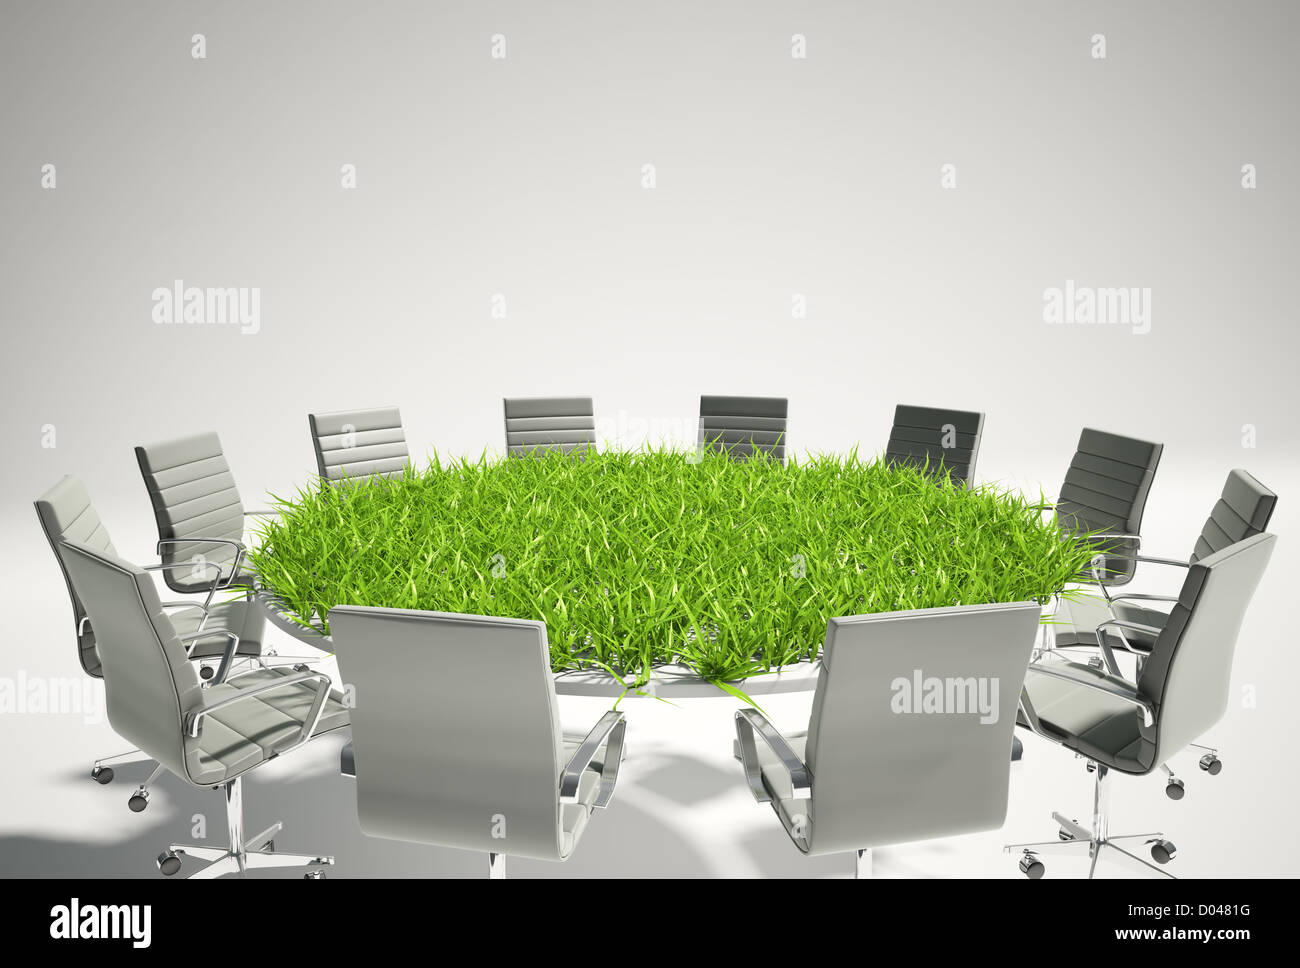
{"x": 139, "y": 800}
{"x": 206, "y": 672}
{"x": 1163, "y": 851}
{"x": 314, "y": 876}
{"x": 1064, "y": 834}
{"x": 1092, "y": 767}
{"x": 168, "y": 862}
{"x": 1211, "y": 764}
{"x": 102, "y": 774}
{"x": 1031, "y": 867}
{"x": 1174, "y": 788}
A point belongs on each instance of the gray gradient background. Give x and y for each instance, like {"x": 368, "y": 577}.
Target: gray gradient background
{"x": 775, "y": 176}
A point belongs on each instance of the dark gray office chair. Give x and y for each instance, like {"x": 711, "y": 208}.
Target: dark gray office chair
{"x": 944, "y": 443}
{"x": 538, "y": 424}
{"x": 911, "y": 721}
{"x": 456, "y": 735}
{"x": 1105, "y": 492}
{"x": 209, "y": 737}
{"x": 200, "y": 516}
{"x": 744, "y": 426}
{"x": 1132, "y": 727}
{"x": 358, "y": 444}
{"x": 1244, "y": 508}
{"x": 65, "y": 513}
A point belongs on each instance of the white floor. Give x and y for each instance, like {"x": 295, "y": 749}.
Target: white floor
{"x": 682, "y": 808}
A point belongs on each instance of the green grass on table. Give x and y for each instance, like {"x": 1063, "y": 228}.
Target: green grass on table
{"x": 637, "y": 559}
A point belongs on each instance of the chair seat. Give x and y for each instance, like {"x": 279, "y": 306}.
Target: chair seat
{"x": 1083, "y": 613}
{"x": 236, "y": 739}
{"x": 1077, "y": 618}
{"x": 1100, "y": 727}
{"x": 1132, "y": 612}
{"x": 243, "y": 618}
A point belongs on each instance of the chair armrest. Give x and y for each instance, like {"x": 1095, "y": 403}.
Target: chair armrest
{"x": 1097, "y": 568}
{"x": 1154, "y": 560}
{"x": 227, "y": 657}
{"x": 1103, "y": 640}
{"x": 751, "y": 722}
{"x": 194, "y": 721}
{"x": 179, "y": 604}
{"x": 611, "y": 727}
{"x": 1144, "y": 598}
{"x": 1125, "y": 691}
{"x": 198, "y": 539}
{"x": 203, "y": 607}
{"x": 261, "y": 513}
{"x": 212, "y": 589}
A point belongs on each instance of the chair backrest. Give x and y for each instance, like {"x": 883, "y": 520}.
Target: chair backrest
{"x": 1189, "y": 672}
{"x": 1243, "y": 509}
{"x": 1106, "y": 489}
{"x": 65, "y": 513}
{"x": 743, "y": 426}
{"x": 927, "y": 437}
{"x": 455, "y": 729}
{"x": 193, "y": 495}
{"x": 149, "y": 683}
{"x": 910, "y": 735}
{"x": 353, "y": 444}
{"x": 536, "y": 424}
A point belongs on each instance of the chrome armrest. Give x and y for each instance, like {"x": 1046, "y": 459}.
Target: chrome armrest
{"x": 1126, "y": 692}
{"x": 201, "y": 607}
{"x": 1118, "y": 625}
{"x": 751, "y": 722}
{"x": 1122, "y": 624}
{"x": 611, "y": 727}
{"x": 1151, "y": 559}
{"x": 212, "y": 589}
{"x": 227, "y": 657}
{"x": 1097, "y": 570}
{"x": 1144, "y": 598}
{"x": 196, "y": 539}
{"x": 261, "y": 513}
{"x": 194, "y": 720}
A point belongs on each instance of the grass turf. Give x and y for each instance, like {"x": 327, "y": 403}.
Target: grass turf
{"x": 637, "y": 559}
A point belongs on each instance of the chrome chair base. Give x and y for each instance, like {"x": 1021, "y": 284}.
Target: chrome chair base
{"x": 1097, "y": 842}
{"x": 242, "y": 854}
{"x": 102, "y": 773}
{"x": 1082, "y": 841}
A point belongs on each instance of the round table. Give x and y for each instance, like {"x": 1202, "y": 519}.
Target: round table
{"x": 666, "y": 682}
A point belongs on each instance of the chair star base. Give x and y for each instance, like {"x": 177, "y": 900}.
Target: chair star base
{"x": 1097, "y": 842}
{"x": 242, "y": 855}
{"x": 1082, "y": 842}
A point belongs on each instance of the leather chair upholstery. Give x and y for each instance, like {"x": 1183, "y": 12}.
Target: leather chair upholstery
{"x": 945, "y": 443}
{"x": 743, "y": 426}
{"x": 538, "y": 424}
{"x": 357, "y": 444}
